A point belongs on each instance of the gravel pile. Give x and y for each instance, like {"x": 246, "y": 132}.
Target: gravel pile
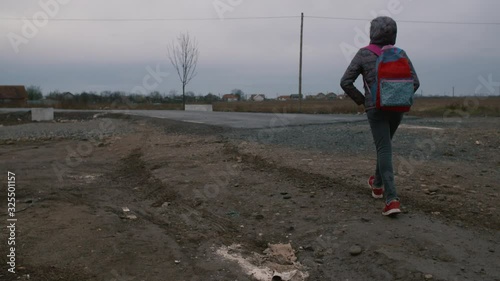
{"x": 94, "y": 129}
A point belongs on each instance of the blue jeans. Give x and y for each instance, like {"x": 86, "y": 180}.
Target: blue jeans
{"x": 383, "y": 125}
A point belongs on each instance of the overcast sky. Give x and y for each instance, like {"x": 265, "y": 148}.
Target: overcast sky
{"x": 254, "y": 55}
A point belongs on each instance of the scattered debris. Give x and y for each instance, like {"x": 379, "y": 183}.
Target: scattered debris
{"x": 131, "y": 217}
{"x": 278, "y": 262}
{"x": 128, "y": 215}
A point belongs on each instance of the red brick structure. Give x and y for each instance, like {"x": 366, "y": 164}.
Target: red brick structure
{"x": 13, "y": 95}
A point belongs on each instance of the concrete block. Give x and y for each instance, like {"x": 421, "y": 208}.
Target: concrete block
{"x": 42, "y": 114}
{"x": 199, "y": 107}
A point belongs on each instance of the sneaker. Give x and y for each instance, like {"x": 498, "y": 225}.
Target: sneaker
{"x": 392, "y": 208}
{"x": 377, "y": 192}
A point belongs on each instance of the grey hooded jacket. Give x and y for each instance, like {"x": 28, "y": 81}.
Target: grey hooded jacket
{"x": 383, "y": 31}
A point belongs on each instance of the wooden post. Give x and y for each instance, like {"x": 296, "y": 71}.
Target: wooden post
{"x": 300, "y": 62}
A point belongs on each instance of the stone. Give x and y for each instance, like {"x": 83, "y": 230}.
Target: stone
{"x": 259, "y": 217}
{"x": 355, "y": 250}
{"x": 433, "y": 189}
{"x": 308, "y": 248}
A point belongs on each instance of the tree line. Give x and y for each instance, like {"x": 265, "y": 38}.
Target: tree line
{"x": 35, "y": 93}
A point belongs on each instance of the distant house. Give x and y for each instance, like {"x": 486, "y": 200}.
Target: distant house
{"x": 295, "y": 97}
{"x": 257, "y": 97}
{"x": 68, "y": 96}
{"x": 230, "y": 97}
{"x": 331, "y": 96}
{"x": 320, "y": 96}
{"x": 15, "y": 95}
{"x": 283, "y": 98}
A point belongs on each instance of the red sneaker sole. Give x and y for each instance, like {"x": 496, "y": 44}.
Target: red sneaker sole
{"x": 373, "y": 193}
{"x": 391, "y": 212}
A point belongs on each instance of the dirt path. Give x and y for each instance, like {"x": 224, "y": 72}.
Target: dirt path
{"x": 191, "y": 192}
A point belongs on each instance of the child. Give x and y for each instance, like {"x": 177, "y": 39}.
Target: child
{"x": 383, "y": 124}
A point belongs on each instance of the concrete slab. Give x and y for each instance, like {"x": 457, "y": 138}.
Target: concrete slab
{"x": 199, "y": 107}
{"x": 42, "y": 114}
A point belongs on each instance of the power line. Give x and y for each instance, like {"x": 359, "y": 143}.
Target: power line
{"x": 153, "y": 19}
{"x": 407, "y": 21}
{"x": 245, "y": 18}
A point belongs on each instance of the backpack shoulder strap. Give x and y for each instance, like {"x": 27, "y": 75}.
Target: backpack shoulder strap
{"x": 374, "y": 49}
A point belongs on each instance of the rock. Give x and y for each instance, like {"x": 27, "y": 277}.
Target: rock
{"x": 236, "y": 184}
{"x": 287, "y": 197}
{"x": 433, "y": 189}
{"x": 177, "y": 261}
{"x": 365, "y": 219}
{"x": 308, "y": 248}
{"x": 355, "y": 250}
{"x": 259, "y": 217}
{"x": 320, "y": 261}
{"x": 428, "y": 276}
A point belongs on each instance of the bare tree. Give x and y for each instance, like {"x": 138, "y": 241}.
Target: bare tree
{"x": 183, "y": 55}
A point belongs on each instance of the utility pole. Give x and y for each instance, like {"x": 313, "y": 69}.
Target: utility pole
{"x": 453, "y": 91}
{"x": 300, "y": 62}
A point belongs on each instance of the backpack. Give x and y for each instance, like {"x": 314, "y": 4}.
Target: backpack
{"x": 393, "y": 88}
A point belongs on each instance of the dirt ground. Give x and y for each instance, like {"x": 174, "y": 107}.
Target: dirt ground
{"x": 163, "y": 203}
